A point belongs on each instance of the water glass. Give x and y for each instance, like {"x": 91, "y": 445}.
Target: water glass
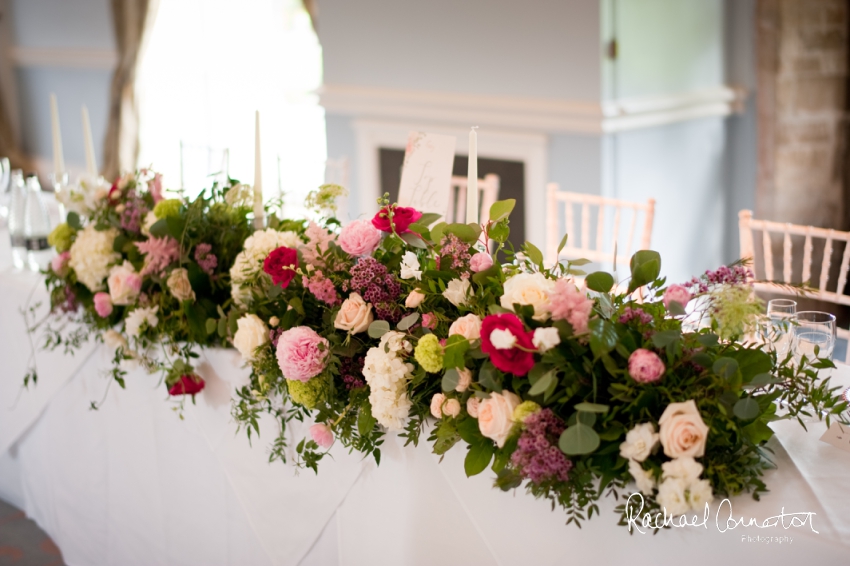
{"x": 814, "y": 330}
{"x": 5, "y": 183}
{"x": 781, "y": 315}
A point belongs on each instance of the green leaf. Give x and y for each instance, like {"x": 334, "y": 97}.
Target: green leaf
{"x": 542, "y": 384}
{"x": 588, "y": 419}
{"x": 478, "y": 458}
{"x": 450, "y": 379}
{"x": 222, "y": 327}
{"x": 603, "y": 336}
{"x": 454, "y": 350}
{"x": 365, "y": 420}
{"x": 212, "y": 324}
{"x": 73, "y": 220}
{"x": 501, "y": 209}
{"x": 645, "y": 267}
{"x": 119, "y": 242}
{"x": 175, "y": 226}
{"x": 665, "y": 338}
{"x": 592, "y": 407}
{"x": 408, "y": 321}
{"x": 378, "y": 328}
{"x": 197, "y": 319}
{"x": 578, "y": 439}
{"x": 159, "y": 228}
{"x": 482, "y": 276}
{"x": 600, "y": 281}
{"x": 487, "y": 378}
{"x": 533, "y": 253}
{"x": 437, "y": 231}
{"x": 498, "y": 309}
{"x": 725, "y": 367}
{"x": 428, "y": 218}
{"x": 752, "y": 363}
{"x": 758, "y": 432}
{"x": 499, "y": 232}
{"x": 746, "y": 409}
{"x": 296, "y": 305}
{"x": 414, "y": 240}
{"x": 465, "y": 232}
{"x": 761, "y": 380}
{"x": 579, "y": 262}
{"x": 708, "y": 340}
{"x": 676, "y": 309}
{"x": 563, "y": 244}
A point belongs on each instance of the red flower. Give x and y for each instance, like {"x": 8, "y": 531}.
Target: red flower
{"x": 403, "y": 217}
{"x": 514, "y": 360}
{"x": 187, "y": 385}
{"x": 281, "y": 265}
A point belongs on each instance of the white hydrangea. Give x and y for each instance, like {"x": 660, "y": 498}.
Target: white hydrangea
{"x": 390, "y": 407}
{"x": 387, "y": 374}
{"x": 92, "y": 256}
{"x": 138, "y": 317}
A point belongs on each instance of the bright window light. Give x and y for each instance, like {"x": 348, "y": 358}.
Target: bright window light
{"x": 208, "y": 65}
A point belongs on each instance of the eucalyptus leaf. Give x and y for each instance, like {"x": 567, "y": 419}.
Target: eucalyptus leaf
{"x": 463, "y": 231}
{"x": 378, "y": 328}
{"x": 599, "y": 281}
{"x": 603, "y": 336}
{"x": 746, "y": 409}
{"x": 414, "y": 240}
{"x": 676, "y": 309}
{"x": 429, "y": 218}
{"x": 408, "y": 321}
{"x": 501, "y": 209}
{"x": 592, "y": 407}
{"x": 542, "y": 384}
{"x": 588, "y": 419}
{"x": 578, "y": 439}
{"x": 73, "y": 220}
{"x": 665, "y": 338}
{"x": 478, "y": 458}
{"x": 534, "y": 253}
{"x": 437, "y": 231}
{"x": 725, "y": 367}
{"x": 450, "y": 380}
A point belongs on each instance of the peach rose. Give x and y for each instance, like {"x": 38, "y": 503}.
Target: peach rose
{"x": 414, "y": 299}
{"x": 472, "y": 406}
{"x": 682, "y": 431}
{"x": 437, "y": 405}
{"x": 464, "y": 379}
{"x": 178, "y": 284}
{"x": 495, "y": 416}
{"x": 468, "y": 326}
{"x": 451, "y": 408}
{"x": 124, "y": 284}
{"x": 355, "y": 314}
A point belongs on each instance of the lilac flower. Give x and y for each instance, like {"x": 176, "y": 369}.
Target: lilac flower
{"x": 351, "y": 371}
{"x": 537, "y": 456}
{"x": 630, "y": 314}
{"x": 724, "y": 275}
{"x": 376, "y": 285}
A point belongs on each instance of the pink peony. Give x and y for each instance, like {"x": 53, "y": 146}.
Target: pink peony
{"x": 645, "y": 366}
{"x": 59, "y": 264}
{"x": 429, "y": 321}
{"x": 322, "y": 435}
{"x": 480, "y": 262}
{"x": 570, "y": 304}
{"x": 359, "y": 238}
{"x": 159, "y": 253}
{"x": 301, "y": 353}
{"x": 103, "y": 304}
{"x": 678, "y": 294}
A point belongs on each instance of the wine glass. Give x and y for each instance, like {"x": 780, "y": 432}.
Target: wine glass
{"x": 781, "y": 314}
{"x": 5, "y": 178}
{"x": 814, "y": 330}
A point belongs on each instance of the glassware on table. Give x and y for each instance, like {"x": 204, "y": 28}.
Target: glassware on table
{"x": 36, "y": 226}
{"x": 16, "y": 218}
{"x": 5, "y": 181}
{"x": 813, "y": 331}
{"x": 779, "y": 335}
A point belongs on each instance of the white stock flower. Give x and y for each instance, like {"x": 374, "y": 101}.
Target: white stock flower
{"x": 502, "y": 339}
{"x": 387, "y": 374}
{"x": 685, "y": 468}
{"x": 643, "y": 478}
{"x": 700, "y": 493}
{"x": 671, "y": 496}
{"x": 639, "y": 443}
{"x": 92, "y": 255}
{"x": 113, "y": 339}
{"x": 457, "y": 291}
{"x": 251, "y": 333}
{"x": 390, "y": 407}
{"x": 545, "y": 338}
{"x": 138, "y": 317}
{"x": 528, "y": 289}
{"x": 410, "y": 266}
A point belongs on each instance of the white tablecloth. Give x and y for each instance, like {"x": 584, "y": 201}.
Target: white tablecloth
{"x": 132, "y": 483}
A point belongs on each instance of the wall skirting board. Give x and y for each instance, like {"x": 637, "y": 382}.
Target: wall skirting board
{"x": 60, "y": 57}
{"x": 531, "y": 114}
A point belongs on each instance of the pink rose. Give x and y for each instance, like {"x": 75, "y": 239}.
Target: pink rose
{"x": 682, "y": 431}
{"x": 495, "y": 416}
{"x": 322, "y": 435}
{"x": 569, "y": 303}
{"x": 59, "y": 264}
{"x": 124, "y": 284}
{"x": 429, "y": 321}
{"x": 480, "y": 262}
{"x": 301, "y": 353}
{"x": 414, "y": 299}
{"x": 359, "y": 238}
{"x": 102, "y": 304}
{"x": 645, "y": 366}
{"x": 468, "y": 326}
{"x": 437, "y": 405}
{"x": 677, "y": 294}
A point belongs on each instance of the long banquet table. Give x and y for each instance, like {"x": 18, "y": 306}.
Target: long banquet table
{"x": 134, "y": 483}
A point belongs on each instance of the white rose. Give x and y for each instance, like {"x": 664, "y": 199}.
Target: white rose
{"x": 114, "y": 340}
{"x": 502, "y": 339}
{"x": 274, "y": 321}
{"x": 472, "y": 406}
{"x": 457, "y": 291}
{"x": 644, "y": 479}
{"x": 138, "y": 317}
{"x": 355, "y": 314}
{"x": 528, "y": 289}
{"x": 682, "y": 431}
{"x": 464, "y": 379}
{"x": 495, "y": 416}
{"x": 124, "y": 284}
{"x": 410, "y": 266}
{"x": 699, "y": 494}
{"x": 414, "y": 299}
{"x": 451, "y": 408}
{"x": 545, "y": 338}
{"x": 251, "y": 333}
{"x": 437, "y": 405}
{"x": 640, "y": 441}
{"x": 179, "y": 285}
{"x": 92, "y": 254}
{"x": 685, "y": 468}
{"x": 671, "y": 496}
{"x": 468, "y": 326}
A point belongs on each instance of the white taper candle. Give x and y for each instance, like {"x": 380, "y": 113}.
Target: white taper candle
{"x": 472, "y": 179}
{"x": 58, "y": 159}
{"x": 258, "y": 176}
{"x": 91, "y": 162}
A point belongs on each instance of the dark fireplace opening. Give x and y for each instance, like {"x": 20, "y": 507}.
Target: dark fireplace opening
{"x": 511, "y": 183}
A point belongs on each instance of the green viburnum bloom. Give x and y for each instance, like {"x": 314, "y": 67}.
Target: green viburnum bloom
{"x": 429, "y": 353}
{"x": 735, "y": 310}
{"x": 309, "y": 393}
{"x": 324, "y": 199}
{"x": 525, "y": 410}
{"x": 60, "y": 238}
{"x": 167, "y": 207}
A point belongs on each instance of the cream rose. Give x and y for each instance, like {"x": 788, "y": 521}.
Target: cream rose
{"x": 414, "y": 299}
{"x": 355, "y": 314}
{"x": 468, "y": 326}
{"x": 178, "y": 284}
{"x": 124, "y": 284}
{"x": 472, "y": 406}
{"x": 682, "y": 431}
{"x": 464, "y": 379}
{"x": 528, "y": 289}
{"x": 251, "y": 333}
{"x": 495, "y": 416}
{"x": 451, "y": 408}
{"x": 457, "y": 291}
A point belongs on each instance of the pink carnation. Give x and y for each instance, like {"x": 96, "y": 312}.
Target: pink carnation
{"x": 359, "y": 238}
{"x": 322, "y": 435}
{"x": 301, "y": 353}
{"x": 317, "y": 243}
{"x": 571, "y": 304}
{"x": 160, "y": 252}
{"x": 429, "y": 321}
{"x": 59, "y": 264}
{"x": 480, "y": 262}
{"x": 678, "y": 294}
{"x": 645, "y": 366}
{"x": 102, "y": 304}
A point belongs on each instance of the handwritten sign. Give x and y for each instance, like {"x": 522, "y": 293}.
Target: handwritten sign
{"x": 837, "y": 435}
{"x": 426, "y": 175}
